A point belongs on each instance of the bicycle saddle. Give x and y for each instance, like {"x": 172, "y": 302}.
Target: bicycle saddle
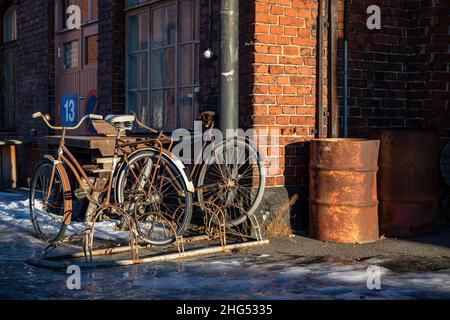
{"x": 117, "y": 119}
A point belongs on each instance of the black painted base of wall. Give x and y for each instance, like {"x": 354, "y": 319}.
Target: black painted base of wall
{"x": 283, "y": 206}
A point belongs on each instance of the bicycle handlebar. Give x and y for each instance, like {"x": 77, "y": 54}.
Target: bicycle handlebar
{"x": 140, "y": 124}
{"x": 161, "y": 134}
{"x": 47, "y": 118}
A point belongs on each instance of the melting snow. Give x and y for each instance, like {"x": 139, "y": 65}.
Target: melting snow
{"x": 14, "y": 211}
{"x": 232, "y": 276}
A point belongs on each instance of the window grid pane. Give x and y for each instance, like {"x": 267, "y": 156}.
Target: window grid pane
{"x": 170, "y": 25}
{"x": 143, "y": 71}
{"x": 138, "y": 65}
{"x": 9, "y": 26}
{"x": 92, "y": 49}
{"x": 187, "y": 21}
{"x": 172, "y": 65}
{"x": 71, "y": 56}
{"x": 132, "y": 71}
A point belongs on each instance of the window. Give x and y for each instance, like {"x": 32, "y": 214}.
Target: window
{"x": 71, "y": 54}
{"x": 89, "y": 10}
{"x": 91, "y": 49}
{"x": 8, "y": 70}
{"x": 162, "y": 63}
{"x": 9, "y": 25}
{"x": 131, "y": 3}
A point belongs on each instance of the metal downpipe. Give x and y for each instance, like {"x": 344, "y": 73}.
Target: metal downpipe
{"x": 345, "y": 86}
{"x": 229, "y": 64}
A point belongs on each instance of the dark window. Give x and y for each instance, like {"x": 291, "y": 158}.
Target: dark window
{"x": 131, "y": 3}
{"x": 162, "y": 63}
{"x": 91, "y": 49}
{"x": 9, "y": 25}
{"x": 8, "y": 70}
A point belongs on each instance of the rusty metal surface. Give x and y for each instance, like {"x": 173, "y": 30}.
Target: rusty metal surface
{"x": 343, "y": 190}
{"x": 104, "y": 145}
{"x": 408, "y": 182}
{"x": 142, "y": 193}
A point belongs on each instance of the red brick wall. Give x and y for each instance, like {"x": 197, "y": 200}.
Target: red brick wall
{"x": 35, "y": 78}
{"x": 246, "y": 63}
{"x": 377, "y": 67}
{"x": 210, "y": 69}
{"x": 283, "y": 91}
{"x": 429, "y": 66}
{"x": 398, "y": 75}
{"x": 35, "y": 63}
{"x": 277, "y": 79}
{"x": 111, "y": 60}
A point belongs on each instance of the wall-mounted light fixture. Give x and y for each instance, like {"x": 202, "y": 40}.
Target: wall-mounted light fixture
{"x": 208, "y": 54}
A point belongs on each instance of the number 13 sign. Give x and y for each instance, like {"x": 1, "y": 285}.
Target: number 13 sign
{"x": 69, "y": 110}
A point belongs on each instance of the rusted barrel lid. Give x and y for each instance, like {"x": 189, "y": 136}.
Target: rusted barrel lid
{"x": 360, "y": 154}
{"x": 410, "y": 147}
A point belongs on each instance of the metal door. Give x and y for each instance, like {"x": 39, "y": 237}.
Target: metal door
{"x": 76, "y": 69}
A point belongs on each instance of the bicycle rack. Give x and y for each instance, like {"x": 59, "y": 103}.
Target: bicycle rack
{"x": 213, "y": 238}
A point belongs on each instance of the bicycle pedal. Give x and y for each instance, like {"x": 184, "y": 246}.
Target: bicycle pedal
{"x": 80, "y": 194}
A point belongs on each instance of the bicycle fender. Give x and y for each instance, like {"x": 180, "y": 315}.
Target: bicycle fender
{"x": 66, "y": 187}
{"x": 180, "y": 165}
{"x": 177, "y": 162}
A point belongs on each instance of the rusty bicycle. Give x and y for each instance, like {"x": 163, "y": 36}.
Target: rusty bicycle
{"x": 51, "y": 191}
{"x": 154, "y": 185}
{"x": 231, "y": 175}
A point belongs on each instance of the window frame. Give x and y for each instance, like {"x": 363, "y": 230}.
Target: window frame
{"x": 8, "y": 124}
{"x": 149, "y": 7}
{"x": 61, "y": 26}
{"x": 77, "y": 51}
{"x": 11, "y": 9}
{"x": 140, "y": 4}
{"x": 136, "y": 12}
{"x": 85, "y": 53}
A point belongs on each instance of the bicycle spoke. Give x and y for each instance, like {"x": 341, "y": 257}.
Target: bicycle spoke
{"x": 159, "y": 194}
{"x": 48, "y": 216}
{"x": 242, "y": 180}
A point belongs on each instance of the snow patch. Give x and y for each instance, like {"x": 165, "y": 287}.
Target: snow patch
{"x": 15, "y": 212}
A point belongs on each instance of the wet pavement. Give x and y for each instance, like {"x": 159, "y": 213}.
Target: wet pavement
{"x": 241, "y": 276}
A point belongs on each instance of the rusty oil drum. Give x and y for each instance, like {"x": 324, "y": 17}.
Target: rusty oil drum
{"x": 343, "y": 190}
{"x": 408, "y": 182}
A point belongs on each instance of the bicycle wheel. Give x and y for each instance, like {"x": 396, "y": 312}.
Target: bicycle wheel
{"x": 47, "y": 207}
{"x": 158, "y": 196}
{"x": 233, "y": 177}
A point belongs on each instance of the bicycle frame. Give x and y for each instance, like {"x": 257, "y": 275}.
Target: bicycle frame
{"x": 208, "y": 120}
{"x": 65, "y": 160}
{"x": 197, "y": 166}
{"x": 65, "y": 157}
